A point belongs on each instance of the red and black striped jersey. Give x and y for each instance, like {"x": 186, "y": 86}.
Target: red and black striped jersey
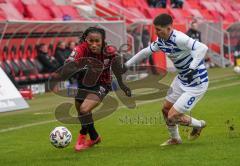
{"x": 99, "y": 62}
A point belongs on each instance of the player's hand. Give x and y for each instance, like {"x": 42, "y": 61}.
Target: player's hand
{"x": 189, "y": 76}
{"x": 126, "y": 90}
{"x": 118, "y": 66}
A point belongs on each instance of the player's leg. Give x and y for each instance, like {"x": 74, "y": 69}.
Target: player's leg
{"x": 185, "y": 103}
{"x": 173, "y": 94}
{"x": 85, "y": 116}
{"x": 91, "y": 101}
{"x": 79, "y": 98}
{"x": 84, "y": 129}
{"x": 172, "y": 128}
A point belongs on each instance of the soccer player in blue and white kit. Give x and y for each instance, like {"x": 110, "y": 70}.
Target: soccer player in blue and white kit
{"x": 189, "y": 85}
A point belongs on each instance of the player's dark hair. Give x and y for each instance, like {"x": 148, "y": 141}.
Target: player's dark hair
{"x": 163, "y": 20}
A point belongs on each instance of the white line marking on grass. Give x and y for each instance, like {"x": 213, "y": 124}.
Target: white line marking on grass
{"x": 223, "y": 79}
{"x": 26, "y": 125}
{"x": 140, "y": 103}
{"x": 224, "y": 86}
{"x": 43, "y": 113}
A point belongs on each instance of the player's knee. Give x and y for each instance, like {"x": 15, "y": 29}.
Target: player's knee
{"x": 167, "y": 106}
{"x": 165, "y": 113}
{"x": 172, "y": 118}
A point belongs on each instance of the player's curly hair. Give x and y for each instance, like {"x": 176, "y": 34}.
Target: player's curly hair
{"x": 93, "y": 30}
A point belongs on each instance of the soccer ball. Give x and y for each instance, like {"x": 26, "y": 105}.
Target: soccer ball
{"x": 237, "y": 69}
{"x": 60, "y": 137}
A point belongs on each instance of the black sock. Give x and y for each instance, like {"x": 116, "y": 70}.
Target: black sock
{"x": 84, "y": 130}
{"x": 84, "y": 119}
{"x": 92, "y": 131}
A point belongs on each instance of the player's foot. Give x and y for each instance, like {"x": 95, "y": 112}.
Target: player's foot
{"x": 172, "y": 141}
{"x": 90, "y": 143}
{"x": 196, "y": 131}
{"x": 80, "y": 142}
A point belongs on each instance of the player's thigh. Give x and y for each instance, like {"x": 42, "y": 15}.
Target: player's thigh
{"x": 174, "y": 92}
{"x": 167, "y": 105}
{"x": 91, "y": 101}
{"x": 187, "y": 101}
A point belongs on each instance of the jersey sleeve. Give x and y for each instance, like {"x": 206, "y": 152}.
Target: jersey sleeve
{"x": 197, "y": 49}
{"x": 154, "y": 46}
{"x": 185, "y": 42}
{"x": 77, "y": 54}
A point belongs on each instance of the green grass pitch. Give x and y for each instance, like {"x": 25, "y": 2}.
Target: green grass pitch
{"x": 24, "y": 135}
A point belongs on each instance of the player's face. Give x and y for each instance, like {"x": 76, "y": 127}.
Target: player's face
{"x": 194, "y": 26}
{"x": 94, "y": 41}
{"x": 44, "y": 48}
{"x": 62, "y": 45}
{"x": 72, "y": 45}
{"x": 163, "y": 32}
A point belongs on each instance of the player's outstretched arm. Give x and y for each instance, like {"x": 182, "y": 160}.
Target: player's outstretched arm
{"x": 118, "y": 69}
{"x": 144, "y": 53}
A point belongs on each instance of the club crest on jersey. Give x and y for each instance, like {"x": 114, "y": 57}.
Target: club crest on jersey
{"x": 106, "y": 61}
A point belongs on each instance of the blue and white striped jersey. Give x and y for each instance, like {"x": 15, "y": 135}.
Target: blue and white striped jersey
{"x": 180, "y": 48}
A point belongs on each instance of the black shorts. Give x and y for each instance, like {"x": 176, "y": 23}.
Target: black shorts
{"x": 100, "y": 90}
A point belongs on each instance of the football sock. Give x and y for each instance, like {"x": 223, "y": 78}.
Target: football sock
{"x": 84, "y": 130}
{"x": 195, "y": 123}
{"x": 173, "y": 131}
{"x": 85, "y": 119}
{"x": 92, "y": 132}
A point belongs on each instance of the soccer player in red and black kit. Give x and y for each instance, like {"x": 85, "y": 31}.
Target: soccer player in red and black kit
{"x": 94, "y": 80}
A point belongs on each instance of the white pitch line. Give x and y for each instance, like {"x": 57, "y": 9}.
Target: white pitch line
{"x": 42, "y": 113}
{"x": 140, "y": 103}
{"x": 224, "y": 86}
{"x": 27, "y": 125}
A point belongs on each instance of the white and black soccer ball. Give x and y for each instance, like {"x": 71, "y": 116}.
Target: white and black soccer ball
{"x": 60, "y": 137}
{"x": 237, "y": 69}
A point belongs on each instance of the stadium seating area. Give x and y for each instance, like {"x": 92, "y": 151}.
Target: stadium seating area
{"x": 36, "y": 10}
{"x": 212, "y": 10}
{"x": 20, "y": 60}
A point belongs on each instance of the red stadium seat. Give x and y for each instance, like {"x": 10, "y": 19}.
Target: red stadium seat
{"x": 156, "y": 11}
{"x": 207, "y": 15}
{"x": 218, "y": 7}
{"x": 69, "y": 10}
{"x": 136, "y": 11}
{"x": 207, "y": 5}
{"x": 38, "y": 12}
{"x": 236, "y": 7}
{"x": 30, "y": 2}
{"x": 46, "y": 3}
{"x": 2, "y": 15}
{"x": 194, "y": 4}
{"x": 18, "y": 4}
{"x": 11, "y": 12}
{"x": 236, "y": 15}
{"x": 196, "y": 13}
{"x": 177, "y": 15}
{"x": 55, "y": 11}
{"x": 129, "y": 3}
